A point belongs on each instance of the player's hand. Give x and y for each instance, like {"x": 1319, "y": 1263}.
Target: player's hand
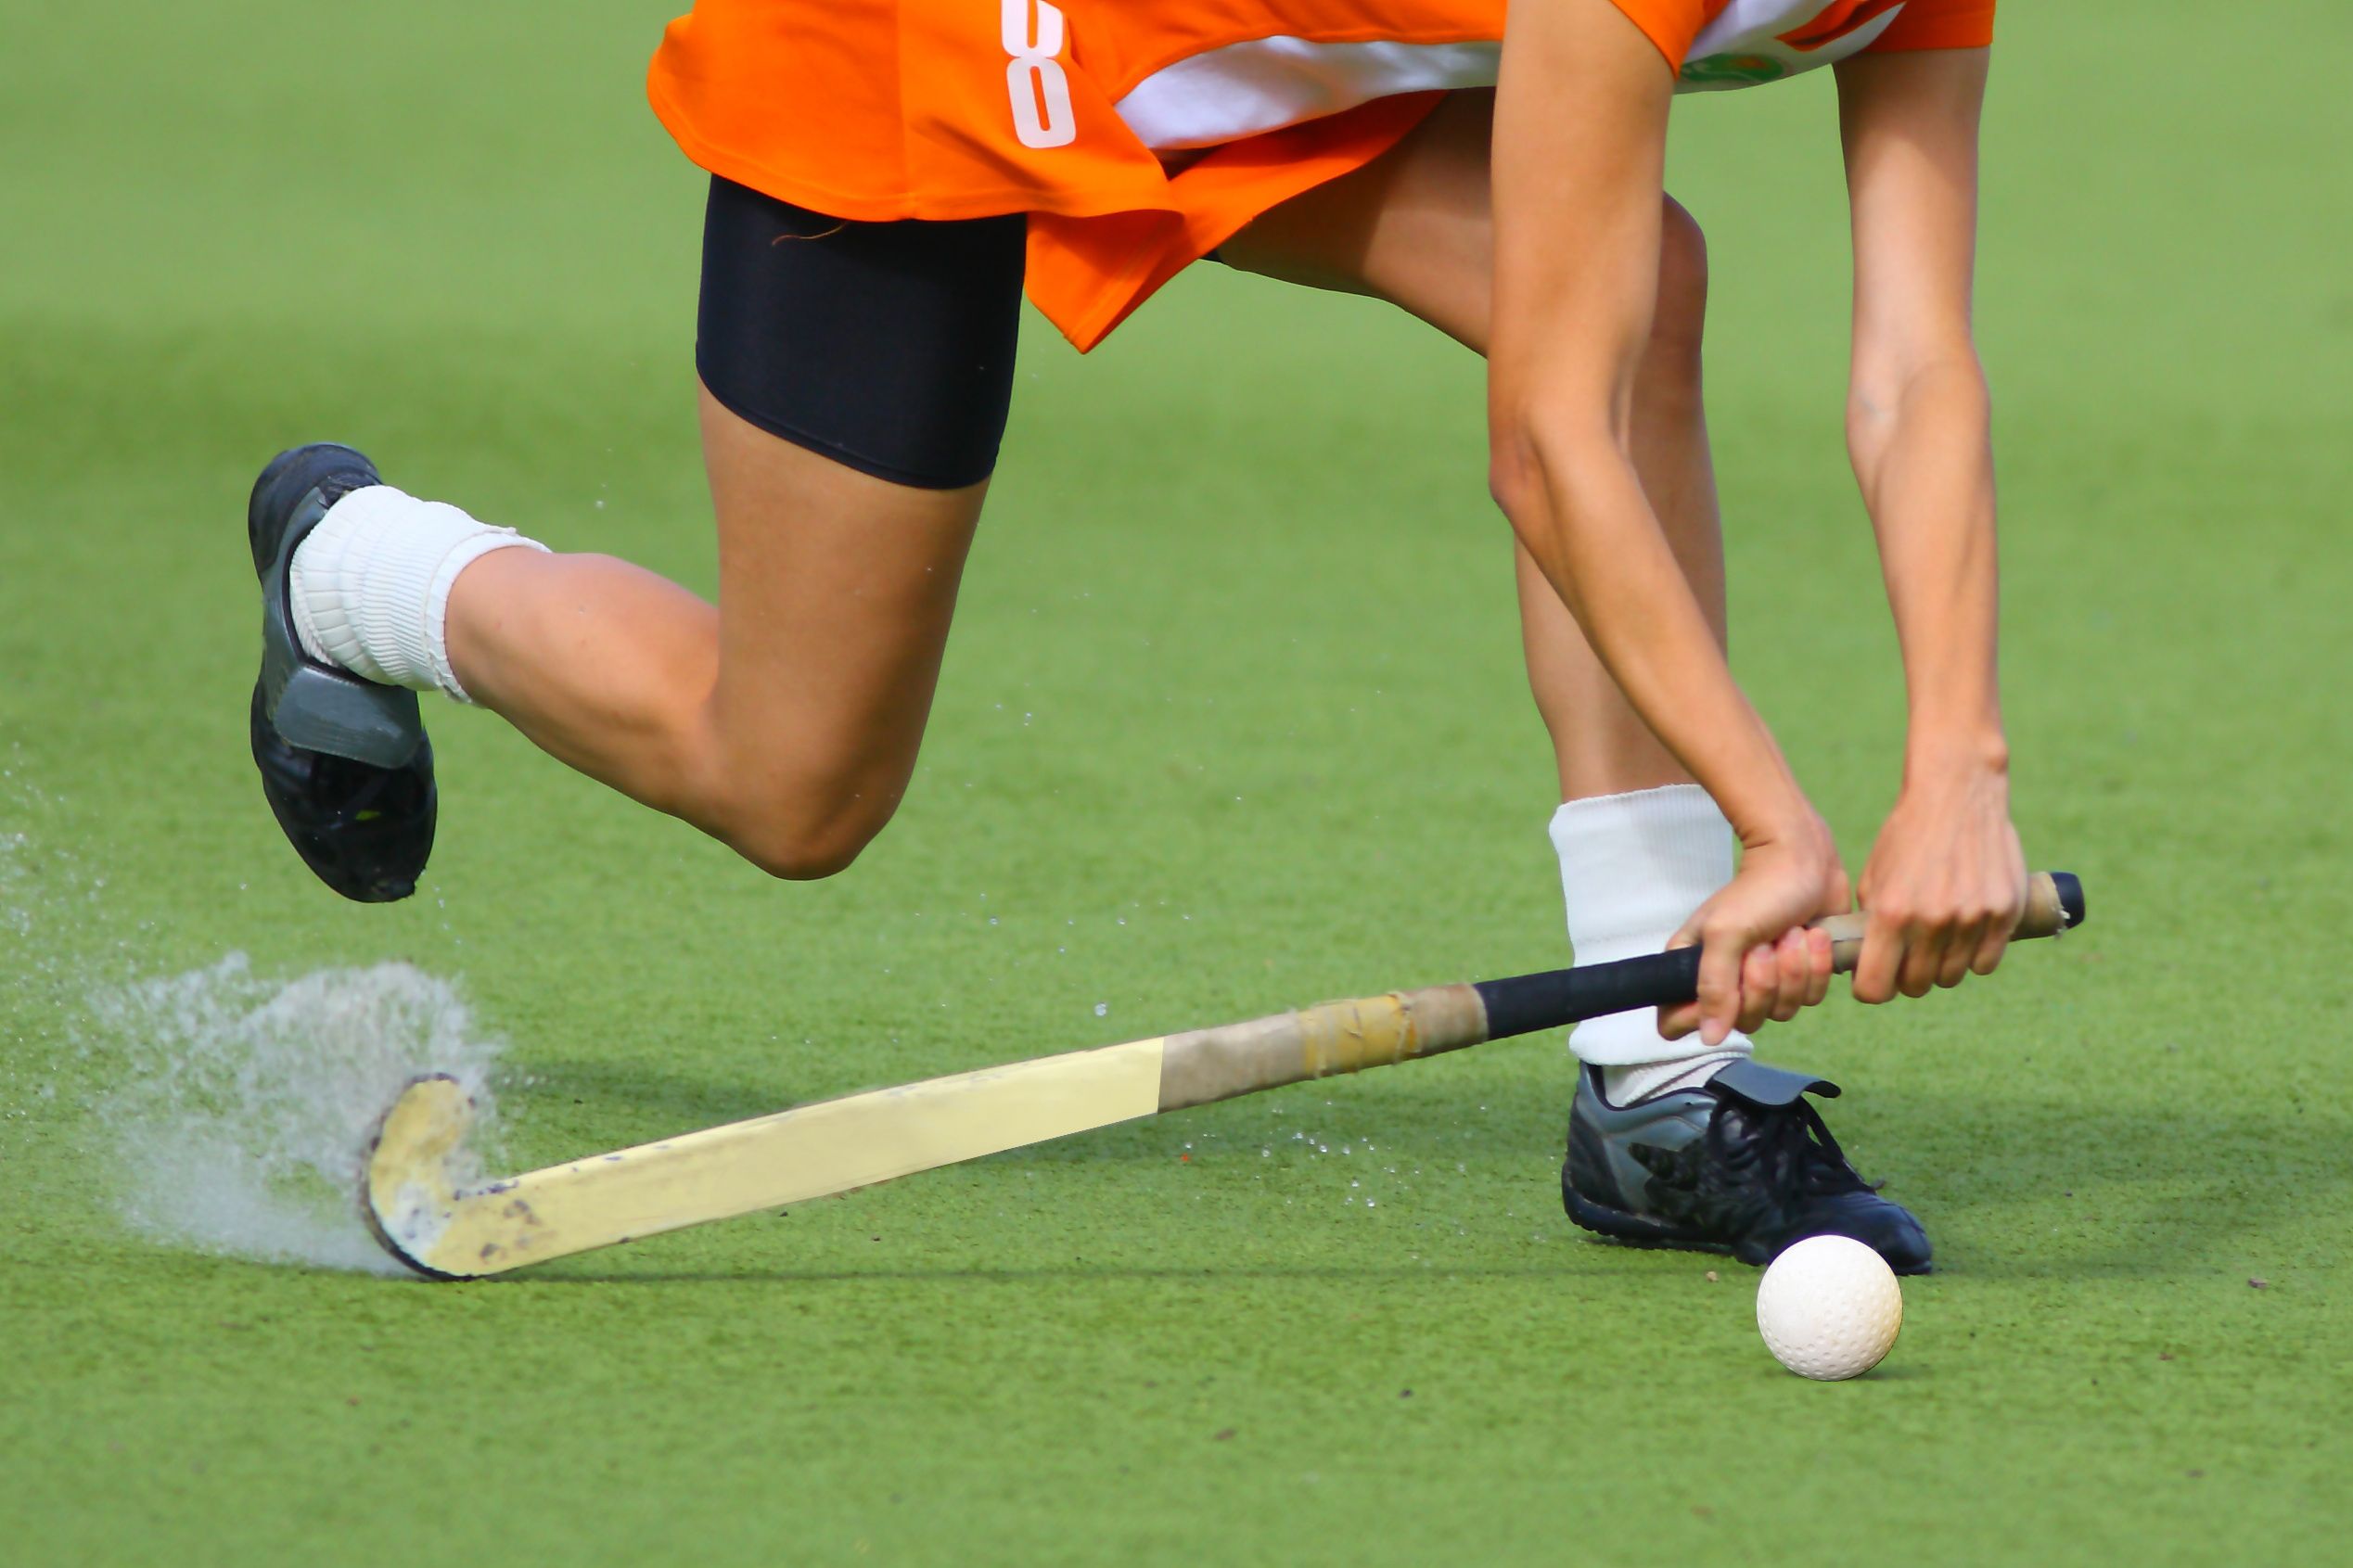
{"x": 1761, "y": 960}
{"x": 1944, "y": 887}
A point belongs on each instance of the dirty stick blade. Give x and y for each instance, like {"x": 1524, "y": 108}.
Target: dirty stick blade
{"x": 447, "y": 1231}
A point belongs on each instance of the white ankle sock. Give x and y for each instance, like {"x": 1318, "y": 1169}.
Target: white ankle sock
{"x": 1648, "y": 1080}
{"x": 1634, "y": 867}
{"x": 371, "y": 585}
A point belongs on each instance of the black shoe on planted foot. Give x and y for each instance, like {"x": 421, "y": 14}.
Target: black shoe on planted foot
{"x": 1742, "y": 1165}
{"x": 344, "y": 762}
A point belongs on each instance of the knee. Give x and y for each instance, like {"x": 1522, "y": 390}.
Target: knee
{"x": 1681, "y": 316}
{"x": 1515, "y": 471}
{"x": 799, "y": 842}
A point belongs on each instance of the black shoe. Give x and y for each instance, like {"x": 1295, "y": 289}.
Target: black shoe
{"x": 344, "y": 762}
{"x": 1742, "y": 1165}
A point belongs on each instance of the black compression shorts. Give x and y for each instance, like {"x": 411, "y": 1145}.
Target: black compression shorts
{"x": 888, "y": 346}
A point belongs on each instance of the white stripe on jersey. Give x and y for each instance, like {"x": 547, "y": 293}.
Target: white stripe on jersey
{"x": 1265, "y": 83}
{"x": 1262, "y": 85}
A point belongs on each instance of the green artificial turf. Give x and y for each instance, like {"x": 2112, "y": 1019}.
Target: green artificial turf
{"x": 1233, "y": 721}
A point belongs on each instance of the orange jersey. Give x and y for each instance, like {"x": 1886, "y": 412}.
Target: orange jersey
{"x": 1140, "y": 136}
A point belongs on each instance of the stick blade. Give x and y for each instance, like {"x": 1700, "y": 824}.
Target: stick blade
{"x": 406, "y": 1195}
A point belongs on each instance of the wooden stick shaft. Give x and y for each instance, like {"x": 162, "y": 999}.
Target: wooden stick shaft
{"x": 1315, "y": 1042}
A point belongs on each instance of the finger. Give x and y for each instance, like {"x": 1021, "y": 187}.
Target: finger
{"x": 1990, "y": 947}
{"x": 1687, "y": 1018}
{"x": 1924, "y": 952}
{"x": 1841, "y": 897}
{"x": 1881, "y": 956}
{"x": 1793, "y": 956}
{"x": 1760, "y": 984}
{"x": 1718, "y": 988}
{"x": 1818, "y": 958}
{"x": 1960, "y": 947}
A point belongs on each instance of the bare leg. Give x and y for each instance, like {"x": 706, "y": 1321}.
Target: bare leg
{"x": 785, "y": 720}
{"x": 1415, "y": 227}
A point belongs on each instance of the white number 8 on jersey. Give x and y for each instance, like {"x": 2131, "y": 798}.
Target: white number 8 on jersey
{"x": 1034, "y": 78}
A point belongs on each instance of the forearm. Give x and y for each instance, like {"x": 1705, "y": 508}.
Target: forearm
{"x": 1924, "y": 458}
{"x": 1578, "y": 159}
{"x": 1580, "y": 507}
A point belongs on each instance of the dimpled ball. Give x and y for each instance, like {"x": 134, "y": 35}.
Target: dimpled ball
{"x": 1829, "y": 1307}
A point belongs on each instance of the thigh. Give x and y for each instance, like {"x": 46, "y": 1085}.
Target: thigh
{"x": 855, "y": 383}
{"x": 1413, "y": 227}
{"x": 836, "y": 589}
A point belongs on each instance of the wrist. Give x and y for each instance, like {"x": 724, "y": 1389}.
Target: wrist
{"x": 1789, "y": 822}
{"x": 1973, "y": 749}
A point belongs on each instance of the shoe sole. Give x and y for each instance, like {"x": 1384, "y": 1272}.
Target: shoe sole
{"x": 1633, "y": 1231}
{"x": 345, "y": 763}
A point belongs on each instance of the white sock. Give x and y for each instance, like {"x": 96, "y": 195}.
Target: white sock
{"x": 1633, "y": 868}
{"x": 371, "y": 585}
{"x": 1647, "y": 1080}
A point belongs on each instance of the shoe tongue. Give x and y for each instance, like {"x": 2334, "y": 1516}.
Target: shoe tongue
{"x": 1760, "y": 1084}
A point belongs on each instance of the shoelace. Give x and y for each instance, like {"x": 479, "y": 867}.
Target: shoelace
{"x": 1799, "y": 1150}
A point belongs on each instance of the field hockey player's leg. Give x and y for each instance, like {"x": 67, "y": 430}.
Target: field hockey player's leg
{"x": 1670, "y": 1144}
{"x": 1641, "y": 846}
{"x": 784, "y": 719}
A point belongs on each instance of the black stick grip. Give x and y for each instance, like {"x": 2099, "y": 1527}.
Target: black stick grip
{"x": 1527, "y": 1003}
{"x": 2069, "y": 888}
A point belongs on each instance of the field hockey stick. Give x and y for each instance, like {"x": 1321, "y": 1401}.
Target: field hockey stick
{"x": 445, "y": 1230}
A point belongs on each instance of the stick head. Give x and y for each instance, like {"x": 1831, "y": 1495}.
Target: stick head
{"x": 406, "y": 1194}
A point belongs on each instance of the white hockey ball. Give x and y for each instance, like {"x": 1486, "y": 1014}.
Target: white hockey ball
{"x": 1829, "y": 1307}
